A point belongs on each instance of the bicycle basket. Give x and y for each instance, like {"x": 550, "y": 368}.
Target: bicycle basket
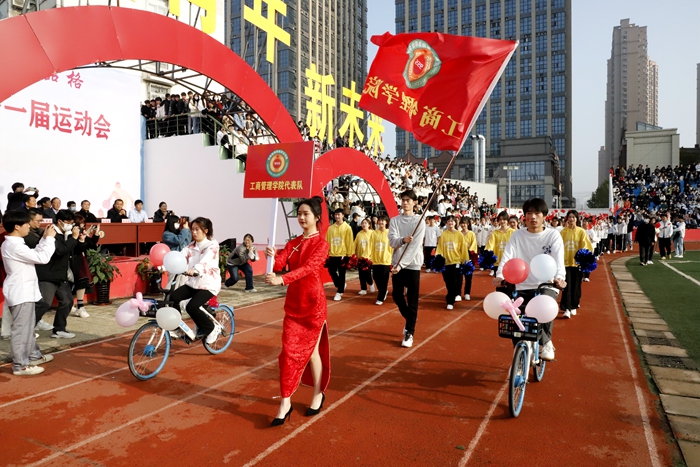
{"x": 508, "y": 329}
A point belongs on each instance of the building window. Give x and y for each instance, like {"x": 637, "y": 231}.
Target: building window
{"x": 480, "y": 128}
{"x": 558, "y": 20}
{"x": 480, "y": 13}
{"x": 540, "y": 5}
{"x": 236, "y": 45}
{"x": 496, "y": 94}
{"x": 495, "y": 111}
{"x": 439, "y": 5}
{"x": 558, "y": 126}
{"x": 425, "y": 6}
{"x": 413, "y": 144}
{"x": 542, "y": 127}
{"x": 533, "y": 170}
{"x": 496, "y": 130}
{"x": 425, "y": 150}
{"x": 525, "y": 128}
{"x": 521, "y": 193}
{"x": 525, "y": 86}
{"x": 558, "y": 83}
{"x": 440, "y": 21}
{"x": 400, "y": 27}
{"x": 412, "y": 24}
{"x": 562, "y": 165}
{"x": 541, "y": 43}
{"x": 510, "y": 29}
{"x": 525, "y": 25}
{"x": 412, "y": 7}
{"x": 425, "y": 23}
{"x": 452, "y": 18}
{"x": 509, "y": 8}
{"x": 495, "y": 148}
{"x": 558, "y": 62}
{"x": 466, "y": 4}
{"x": 541, "y": 105}
{"x": 511, "y": 111}
{"x": 510, "y": 88}
{"x": 495, "y": 10}
{"x": 526, "y": 107}
{"x": 511, "y": 68}
{"x": 541, "y": 64}
{"x": 525, "y": 66}
{"x": 511, "y": 129}
{"x": 452, "y": 3}
{"x": 541, "y": 23}
{"x": 556, "y": 4}
{"x": 466, "y": 17}
{"x": 558, "y": 41}
{"x": 480, "y": 30}
{"x": 400, "y": 10}
{"x": 560, "y": 146}
{"x": 525, "y": 45}
{"x": 482, "y": 115}
{"x": 495, "y": 29}
{"x": 525, "y": 6}
{"x": 542, "y": 85}
{"x": 558, "y": 104}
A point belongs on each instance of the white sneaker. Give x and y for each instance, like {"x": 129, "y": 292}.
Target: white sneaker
{"x": 211, "y": 338}
{"x": 362, "y": 292}
{"x": 450, "y": 307}
{"x": 547, "y": 352}
{"x": 404, "y": 332}
{"x": 585, "y": 279}
{"x": 63, "y": 335}
{"x": 567, "y": 314}
{"x": 177, "y": 334}
{"x": 491, "y": 273}
{"x": 44, "y": 359}
{"x": 379, "y": 302}
{"x": 80, "y": 312}
{"x": 407, "y": 341}
{"x": 467, "y": 297}
{"x": 573, "y": 312}
{"x": 679, "y": 256}
{"x": 44, "y": 326}
{"x": 458, "y": 298}
{"x": 337, "y": 297}
{"x": 251, "y": 290}
{"x": 650, "y": 262}
{"x": 372, "y": 289}
{"x": 28, "y": 371}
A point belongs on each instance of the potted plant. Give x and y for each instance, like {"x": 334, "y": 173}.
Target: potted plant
{"x": 149, "y": 274}
{"x": 103, "y": 273}
{"x": 224, "y": 251}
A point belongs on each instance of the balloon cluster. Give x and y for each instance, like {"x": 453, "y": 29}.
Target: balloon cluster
{"x": 487, "y": 259}
{"x": 467, "y": 268}
{"x": 586, "y": 260}
{"x": 438, "y": 263}
{"x": 364, "y": 264}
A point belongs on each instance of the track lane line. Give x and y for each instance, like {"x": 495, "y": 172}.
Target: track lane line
{"x": 651, "y": 444}
{"x": 482, "y": 426}
{"x": 59, "y": 452}
{"x": 695, "y": 281}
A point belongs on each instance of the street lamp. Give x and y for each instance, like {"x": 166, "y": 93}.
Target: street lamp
{"x": 509, "y": 169}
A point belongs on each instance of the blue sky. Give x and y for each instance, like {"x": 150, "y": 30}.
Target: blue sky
{"x": 672, "y": 43}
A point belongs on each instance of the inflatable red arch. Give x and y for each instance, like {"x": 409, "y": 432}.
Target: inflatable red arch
{"x": 44, "y": 43}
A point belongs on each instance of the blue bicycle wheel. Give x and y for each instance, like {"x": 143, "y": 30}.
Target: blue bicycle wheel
{"x": 518, "y": 381}
{"x": 224, "y": 315}
{"x": 148, "y": 351}
{"x": 538, "y": 370}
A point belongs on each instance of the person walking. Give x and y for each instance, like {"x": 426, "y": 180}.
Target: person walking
{"x": 465, "y": 225}
{"x": 305, "y": 355}
{"x": 381, "y": 258}
{"x": 452, "y": 246}
{"x": 363, "y": 249}
{"x": 665, "y": 234}
{"x": 574, "y": 238}
{"x": 339, "y": 237}
{"x": 645, "y": 237}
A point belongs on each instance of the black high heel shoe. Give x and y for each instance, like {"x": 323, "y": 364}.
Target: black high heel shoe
{"x": 280, "y": 421}
{"x": 310, "y": 412}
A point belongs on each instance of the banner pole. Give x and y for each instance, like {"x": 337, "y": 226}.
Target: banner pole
{"x": 272, "y": 234}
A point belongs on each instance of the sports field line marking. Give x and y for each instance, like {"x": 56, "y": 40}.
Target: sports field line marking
{"x": 482, "y": 426}
{"x": 357, "y": 389}
{"x": 696, "y": 282}
{"x": 651, "y": 444}
{"x": 197, "y": 394}
{"x": 109, "y": 373}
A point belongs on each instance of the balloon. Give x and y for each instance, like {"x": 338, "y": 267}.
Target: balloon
{"x": 515, "y": 271}
{"x": 139, "y": 303}
{"x": 492, "y": 304}
{"x": 543, "y": 267}
{"x": 175, "y": 262}
{"x": 543, "y": 308}
{"x": 126, "y": 315}
{"x": 168, "y": 318}
{"x": 158, "y": 252}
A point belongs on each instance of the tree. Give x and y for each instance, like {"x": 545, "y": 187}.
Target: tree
{"x": 599, "y": 198}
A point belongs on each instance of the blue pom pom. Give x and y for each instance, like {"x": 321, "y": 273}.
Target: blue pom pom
{"x": 438, "y": 263}
{"x": 586, "y": 260}
{"x": 467, "y": 268}
{"x": 487, "y": 259}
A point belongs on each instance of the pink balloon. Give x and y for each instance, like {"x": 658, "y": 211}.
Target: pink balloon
{"x": 493, "y": 304}
{"x": 543, "y": 308}
{"x": 126, "y": 315}
{"x": 158, "y": 252}
{"x": 516, "y": 271}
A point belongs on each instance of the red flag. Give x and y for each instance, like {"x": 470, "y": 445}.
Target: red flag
{"x": 425, "y": 163}
{"x": 432, "y": 84}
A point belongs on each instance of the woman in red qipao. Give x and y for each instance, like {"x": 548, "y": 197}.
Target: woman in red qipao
{"x": 305, "y": 355}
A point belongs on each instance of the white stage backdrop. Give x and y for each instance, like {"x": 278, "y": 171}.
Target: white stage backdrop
{"x": 74, "y": 136}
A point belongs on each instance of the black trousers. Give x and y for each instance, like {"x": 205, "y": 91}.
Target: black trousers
{"x": 381, "y": 277}
{"x": 365, "y": 278}
{"x": 544, "y": 334}
{"x": 408, "y": 279}
{"x": 467, "y": 281}
{"x": 428, "y": 257}
{"x": 664, "y": 247}
{"x": 453, "y": 282}
{"x": 571, "y": 296}
{"x": 645, "y": 252}
{"x": 337, "y": 273}
{"x": 62, "y": 292}
{"x": 198, "y": 299}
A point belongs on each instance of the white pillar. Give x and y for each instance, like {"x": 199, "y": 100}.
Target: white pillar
{"x": 475, "y": 150}
{"x": 482, "y": 160}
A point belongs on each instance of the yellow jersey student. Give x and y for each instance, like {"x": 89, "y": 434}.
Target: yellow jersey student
{"x": 465, "y": 225}
{"x": 381, "y": 258}
{"x": 363, "y": 249}
{"x": 575, "y": 238}
{"x": 452, "y": 245}
{"x": 339, "y": 238}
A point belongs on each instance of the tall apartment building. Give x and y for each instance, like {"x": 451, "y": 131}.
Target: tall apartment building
{"x": 332, "y": 34}
{"x": 632, "y": 91}
{"x": 532, "y": 98}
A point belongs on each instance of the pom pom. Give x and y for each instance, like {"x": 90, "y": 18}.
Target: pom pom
{"x": 487, "y": 259}
{"x": 438, "y": 263}
{"x": 586, "y": 260}
{"x": 364, "y": 264}
{"x": 349, "y": 262}
{"x": 467, "y": 268}
{"x": 327, "y": 264}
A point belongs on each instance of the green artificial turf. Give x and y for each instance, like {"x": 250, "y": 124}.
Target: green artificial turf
{"x": 675, "y": 298}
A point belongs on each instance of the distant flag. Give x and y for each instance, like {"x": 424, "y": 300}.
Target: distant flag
{"x": 434, "y": 85}
{"x": 425, "y": 163}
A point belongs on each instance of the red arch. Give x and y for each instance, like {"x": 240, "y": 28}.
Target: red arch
{"x": 45, "y": 42}
{"x": 347, "y": 161}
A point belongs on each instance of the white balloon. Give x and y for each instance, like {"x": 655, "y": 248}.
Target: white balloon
{"x": 543, "y": 308}
{"x": 492, "y": 304}
{"x": 543, "y": 267}
{"x": 168, "y": 318}
{"x": 175, "y": 262}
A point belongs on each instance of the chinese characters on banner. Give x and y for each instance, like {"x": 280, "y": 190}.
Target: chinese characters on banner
{"x": 280, "y": 170}
{"x": 42, "y": 115}
{"x": 268, "y": 23}
{"x": 208, "y": 19}
{"x": 432, "y": 84}
{"x": 73, "y": 79}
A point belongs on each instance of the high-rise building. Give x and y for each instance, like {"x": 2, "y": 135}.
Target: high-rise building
{"x": 331, "y": 34}
{"x": 532, "y": 98}
{"x": 632, "y": 92}
{"x": 697, "y": 117}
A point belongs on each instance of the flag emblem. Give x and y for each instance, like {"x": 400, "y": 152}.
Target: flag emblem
{"x": 423, "y": 63}
{"x": 277, "y": 163}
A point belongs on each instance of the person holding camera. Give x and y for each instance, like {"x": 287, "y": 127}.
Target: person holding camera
{"x": 87, "y": 240}
{"x": 177, "y": 233}
{"x": 238, "y": 260}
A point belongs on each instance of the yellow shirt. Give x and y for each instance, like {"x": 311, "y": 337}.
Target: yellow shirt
{"x": 574, "y": 240}
{"x": 363, "y": 244}
{"x": 471, "y": 241}
{"x": 381, "y": 251}
{"x": 497, "y": 242}
{"x": 339, "y": 237}
{"x": 453, "y": 247}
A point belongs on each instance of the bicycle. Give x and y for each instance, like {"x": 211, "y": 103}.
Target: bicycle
{"x": 150, "y": 346}
{"x": 526, "y": 353}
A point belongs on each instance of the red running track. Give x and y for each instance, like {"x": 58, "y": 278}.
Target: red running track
{"x": 442, "y": 403}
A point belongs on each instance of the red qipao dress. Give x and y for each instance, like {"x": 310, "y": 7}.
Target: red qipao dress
{"x": 305, "y": 313}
